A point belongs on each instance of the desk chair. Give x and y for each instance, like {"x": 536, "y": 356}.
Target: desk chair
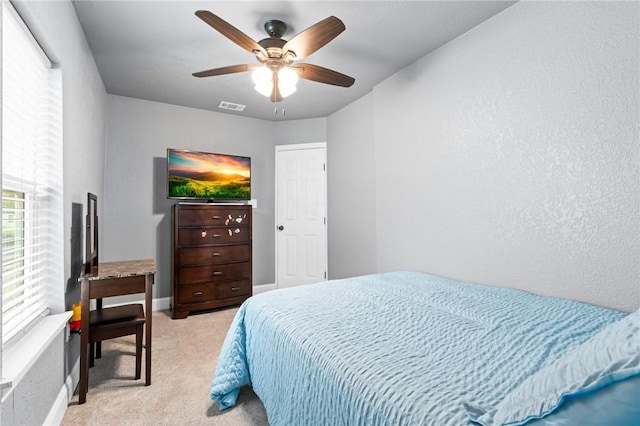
{"x": 118, "y": 321}
{"x": 115, "y": 279}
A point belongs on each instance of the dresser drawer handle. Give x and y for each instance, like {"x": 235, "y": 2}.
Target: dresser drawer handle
{"x": 197, "y": 293}
{"x": 216, "y": 254}
{"x": 216, "y": 236}
{"x": 217, "y": 274}
{"x": 235, "y": 288}
{"x": 216, "y": 217}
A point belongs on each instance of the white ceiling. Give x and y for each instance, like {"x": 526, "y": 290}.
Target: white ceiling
{"x": 149, "y": 49}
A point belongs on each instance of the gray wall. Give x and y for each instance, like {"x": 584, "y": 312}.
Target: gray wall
{"x": 137, "y": 214}
{"x": 507, "y": 157}
{"x": 56, "y": 27}
{"x": 510, "y": 156}
{"x": 300, "y": 131}
{"x": 30, "y": 401}
{"x": 352, "y": 190}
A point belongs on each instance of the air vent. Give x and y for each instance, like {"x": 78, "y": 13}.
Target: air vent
{"x": 231, "y": 106}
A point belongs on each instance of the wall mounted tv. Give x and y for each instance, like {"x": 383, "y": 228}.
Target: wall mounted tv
{"x": 196, "y": 175}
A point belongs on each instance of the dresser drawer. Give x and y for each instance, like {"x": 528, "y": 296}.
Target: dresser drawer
{"x": 213, "y": 235}
{"x": 233, "y": 289}
{"x": 217, "y": 216}
{"x": 214, "y": 273}
{"x": 213, "y": 255}
{"x": 196, "y": 293}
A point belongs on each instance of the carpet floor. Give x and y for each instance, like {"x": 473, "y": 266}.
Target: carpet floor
{"x": 184, "y": 355}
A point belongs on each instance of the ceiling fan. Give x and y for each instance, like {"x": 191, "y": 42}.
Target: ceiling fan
{"x": 276, "y": 75}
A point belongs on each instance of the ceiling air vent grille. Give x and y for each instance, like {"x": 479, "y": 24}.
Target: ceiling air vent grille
{"x": 231, "y": 106}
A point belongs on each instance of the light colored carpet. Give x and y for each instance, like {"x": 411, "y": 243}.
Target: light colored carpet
{"x": 184, "y": 354}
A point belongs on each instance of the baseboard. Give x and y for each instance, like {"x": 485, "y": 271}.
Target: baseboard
{"x": 262, "y": 288}
{"x": 162, "y": 304}
{"x": 59, "y": 407}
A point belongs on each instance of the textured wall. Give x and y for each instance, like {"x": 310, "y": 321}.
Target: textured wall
{"x": 300, "y": 131}
{"x": 137, "y": 213}
{"x": 56, "y": 27}
{"x": 351, "y": 190}
{"x": 510, "y": 156}
{"x": 31, "y": 399}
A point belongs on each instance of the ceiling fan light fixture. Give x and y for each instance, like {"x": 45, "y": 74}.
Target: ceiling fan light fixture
{"x": 287, "y": 80}
{"x": 286, "y": 90}
{"x": 264, "y": 89}
{"x": 262, "y": 78}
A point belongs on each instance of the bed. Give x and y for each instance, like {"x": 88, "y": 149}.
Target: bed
{"x": 408, "y": 348}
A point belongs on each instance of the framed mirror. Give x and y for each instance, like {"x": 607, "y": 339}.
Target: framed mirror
{"x": 92, "y": 235}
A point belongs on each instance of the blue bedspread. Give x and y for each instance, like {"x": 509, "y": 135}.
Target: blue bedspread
{"x": 400, "y": 348}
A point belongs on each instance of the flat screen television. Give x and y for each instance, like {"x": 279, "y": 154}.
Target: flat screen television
{"x": 196, "y": 175}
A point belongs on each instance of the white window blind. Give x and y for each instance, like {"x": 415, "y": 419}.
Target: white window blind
{"x": 32, "y": 221}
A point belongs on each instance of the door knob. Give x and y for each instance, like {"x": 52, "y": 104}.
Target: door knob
{"x": 280, "y": 228}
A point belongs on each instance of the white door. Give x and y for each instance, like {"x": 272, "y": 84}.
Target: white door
{"x": 301, "y": 198}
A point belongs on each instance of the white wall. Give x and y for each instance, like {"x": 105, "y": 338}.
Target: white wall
{"x": 137, "y": 214}
{"x": 510, "y": 156}
{"x": 56, "y": 27}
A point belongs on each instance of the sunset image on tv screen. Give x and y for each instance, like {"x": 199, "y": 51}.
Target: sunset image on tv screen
{"x": 201, "y": 175}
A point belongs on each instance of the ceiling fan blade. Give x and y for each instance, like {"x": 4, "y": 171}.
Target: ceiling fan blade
{"x": 323, "y": 75}
{"x": 230, "y": 32}
{"x": 225, "y": 70}
{"x": 313, "y": 38}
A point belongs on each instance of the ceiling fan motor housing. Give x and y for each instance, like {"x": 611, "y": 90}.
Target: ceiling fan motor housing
{"x": 273, "y": 45}
{"x": 275, "y": 28}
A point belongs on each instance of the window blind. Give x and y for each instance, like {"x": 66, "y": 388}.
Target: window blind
{"x": 32, "y": 222}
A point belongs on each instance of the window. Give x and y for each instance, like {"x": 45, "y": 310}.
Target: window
{"x": 32, "y": 221}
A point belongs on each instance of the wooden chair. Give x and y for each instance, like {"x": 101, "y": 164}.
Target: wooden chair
{"x": 117, "y": 321}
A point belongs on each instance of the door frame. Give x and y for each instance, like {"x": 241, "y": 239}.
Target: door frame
{"x": 298, "y": 147}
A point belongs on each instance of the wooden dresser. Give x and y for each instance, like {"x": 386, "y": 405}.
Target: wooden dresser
{"x": 211, "y": 257}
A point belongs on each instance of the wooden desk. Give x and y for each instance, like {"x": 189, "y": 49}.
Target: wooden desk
{"x": 115, "y": 279}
